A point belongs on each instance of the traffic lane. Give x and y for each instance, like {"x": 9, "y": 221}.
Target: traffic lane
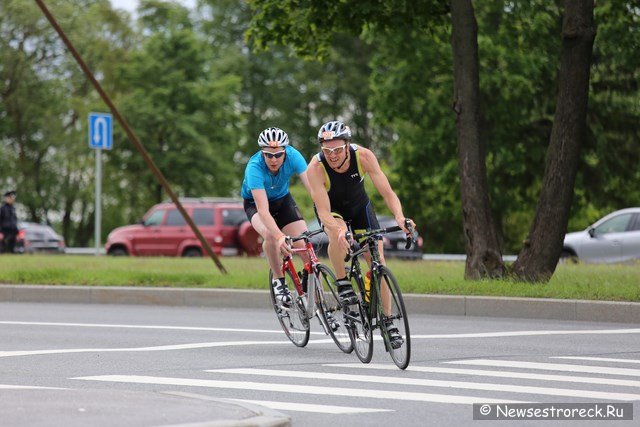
{"x": 141, "y": 336}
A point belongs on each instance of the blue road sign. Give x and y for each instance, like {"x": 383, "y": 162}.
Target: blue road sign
{"x": 101, "y": 131}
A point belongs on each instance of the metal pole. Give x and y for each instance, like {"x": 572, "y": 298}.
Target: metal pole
{"x": 132, "y": 136}
{"x": 98, "y": 217}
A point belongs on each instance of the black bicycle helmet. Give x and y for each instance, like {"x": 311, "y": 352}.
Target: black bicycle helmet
{"x": 334, "y": 130}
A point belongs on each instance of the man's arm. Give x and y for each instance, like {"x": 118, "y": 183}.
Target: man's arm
{"x": 262, "y": 205}
{"x": 372, "y": 167}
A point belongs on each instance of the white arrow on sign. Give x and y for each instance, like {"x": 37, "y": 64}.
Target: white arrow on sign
{"x": 100, "y": 136}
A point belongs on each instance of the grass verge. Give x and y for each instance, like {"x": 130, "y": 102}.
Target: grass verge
{"x": 571, "y": 281}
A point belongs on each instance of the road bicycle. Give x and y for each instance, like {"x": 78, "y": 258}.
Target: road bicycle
{"x": 314, "y": 293}
{"x": 380, "y": 303}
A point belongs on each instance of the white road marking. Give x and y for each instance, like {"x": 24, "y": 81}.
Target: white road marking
{"x": 174, "y": 328}
{"x": 27, "y": 387}
{"x": 596, "y": 359}
{"x": 307, "y": 407}
{"x": 435, "y": 383}
{"x": 550, "y": 367}
{"x": 134, "y": 349}
{"x": 498, "y": 374}
{"x": 529, "y": 333}
{"x": 301, "y": 389}
{"x": 278, "y": 331}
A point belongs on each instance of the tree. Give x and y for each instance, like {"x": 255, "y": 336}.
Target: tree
{"x": 539, "y": 256}
{"x": 281, "y": 22}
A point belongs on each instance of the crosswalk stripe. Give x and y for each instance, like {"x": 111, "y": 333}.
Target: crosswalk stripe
{"x": 302, "y": 389}
{"x": 596, "y": 359}
{"x": 549, "y": 366}
{"x": 497, "y": 374}
{"x": 434, "y": 383}
{"x": 307, "y": 407}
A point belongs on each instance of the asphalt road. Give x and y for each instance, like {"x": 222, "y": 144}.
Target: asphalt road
{"x": 127, "y": 365}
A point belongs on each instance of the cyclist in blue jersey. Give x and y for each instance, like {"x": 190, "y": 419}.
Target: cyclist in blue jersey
{"x": 269, "y": 205}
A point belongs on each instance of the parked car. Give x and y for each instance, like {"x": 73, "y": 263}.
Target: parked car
{"x": 613, "y": 238}
{"x": 38, "y": 238}
{"x": 164, "y": 232}
{"x": 393, "y": 243}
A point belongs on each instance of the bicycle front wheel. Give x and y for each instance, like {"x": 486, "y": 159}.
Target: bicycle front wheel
{"x": 393, "y": 320}
{"x": 293, "y": 319}
{"x": 331, "y": 311}
{"x": 359, "y": 323}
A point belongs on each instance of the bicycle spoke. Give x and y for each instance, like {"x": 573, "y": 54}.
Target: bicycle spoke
{"x": 394, "y": 324}
{"x": 331, "y": 311}
{"x": 293, "y": 320}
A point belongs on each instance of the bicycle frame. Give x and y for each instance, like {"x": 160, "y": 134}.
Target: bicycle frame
{"x": 287, "y": 265}
{"x": 370, "y": 245}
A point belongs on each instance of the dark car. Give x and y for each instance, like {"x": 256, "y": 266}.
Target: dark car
{"x": 164, "y": 232}
{"x": 393, "y": 243}
{"x": 38, "y": 238}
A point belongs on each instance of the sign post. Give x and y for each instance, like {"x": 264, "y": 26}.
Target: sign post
{"x": 100, "y": 138}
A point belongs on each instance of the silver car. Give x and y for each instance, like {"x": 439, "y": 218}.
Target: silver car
{"x": 614, "y": 238}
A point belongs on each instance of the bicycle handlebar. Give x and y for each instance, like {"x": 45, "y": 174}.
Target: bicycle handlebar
{"x": 305, "y": 235}
{"x": 366, "y": 234}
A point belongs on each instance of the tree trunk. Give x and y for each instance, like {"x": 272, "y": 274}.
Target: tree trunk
{"x": 539, "y": 256}
{"x": 484, "y": 255}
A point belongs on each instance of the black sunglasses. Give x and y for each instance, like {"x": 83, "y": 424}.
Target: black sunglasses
{"x": 277, "y": 155}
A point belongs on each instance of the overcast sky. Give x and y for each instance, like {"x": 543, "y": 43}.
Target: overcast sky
{"x": 131, "y": 5}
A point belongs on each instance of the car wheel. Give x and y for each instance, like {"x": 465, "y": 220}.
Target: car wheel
{"x": 118, "y": 252}
{"x": 192, "y": 252}
{"x": 568, "y": 257}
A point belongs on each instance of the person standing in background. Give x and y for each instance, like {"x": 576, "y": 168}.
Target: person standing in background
{"x": 8, "y": 222}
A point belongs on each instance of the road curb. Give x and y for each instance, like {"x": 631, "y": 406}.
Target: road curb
{"x": 452, "y": 305}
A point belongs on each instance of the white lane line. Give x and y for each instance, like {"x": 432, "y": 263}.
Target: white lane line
{"x": 596, "y": 359}
{"x": 435, "y": 383}
{"x": 278, "y": 331}
{"x": 301, "y": 389}
{"x": 134, "y": 349}
{"x": 28, "y": 387}
{"x": 307, "y": 407}
{"x": 550, "y": 367}
{"x": 173, "y": 328}
{"x": 528, "y": 333}
{"x": 497, "y": 374}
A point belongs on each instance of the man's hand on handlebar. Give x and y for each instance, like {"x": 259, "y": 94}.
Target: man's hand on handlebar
{"x": 284, "y": 245}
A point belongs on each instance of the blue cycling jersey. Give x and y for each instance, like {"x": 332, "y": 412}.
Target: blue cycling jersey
{"x": 258, "y": 176}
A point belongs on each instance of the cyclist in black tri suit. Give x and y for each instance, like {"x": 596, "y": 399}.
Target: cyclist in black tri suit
{"x": 336, "y": 176}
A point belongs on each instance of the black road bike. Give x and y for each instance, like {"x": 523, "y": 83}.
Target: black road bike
{"x": 380, "y": 304}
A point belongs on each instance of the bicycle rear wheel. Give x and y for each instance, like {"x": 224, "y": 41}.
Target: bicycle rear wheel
{"x": 391, "y": 309}
{"x": 331, "y": 311}
{"x": 293, "y": 319}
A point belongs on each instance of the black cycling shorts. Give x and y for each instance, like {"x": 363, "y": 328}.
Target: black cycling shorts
{"x": 360, "y": 220}
{"x": 284, "y": 210}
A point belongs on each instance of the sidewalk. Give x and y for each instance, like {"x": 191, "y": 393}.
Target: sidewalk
{"x": 450, "y": 305}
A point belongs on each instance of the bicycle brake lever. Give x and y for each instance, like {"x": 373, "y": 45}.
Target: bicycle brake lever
{"x": 407, "y": 224}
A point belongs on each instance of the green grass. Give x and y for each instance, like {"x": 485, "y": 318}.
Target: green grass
{"x": 592, "y": 282}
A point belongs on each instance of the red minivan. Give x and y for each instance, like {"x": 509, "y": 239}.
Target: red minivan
{"x": 164, "y": 232}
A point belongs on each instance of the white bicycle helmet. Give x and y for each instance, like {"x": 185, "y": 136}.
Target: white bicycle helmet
{"x": 273, "y": 137}
{"x": 334, "y": 130}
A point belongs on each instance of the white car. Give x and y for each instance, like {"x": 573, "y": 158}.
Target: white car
{"x": 614, "y": 238}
